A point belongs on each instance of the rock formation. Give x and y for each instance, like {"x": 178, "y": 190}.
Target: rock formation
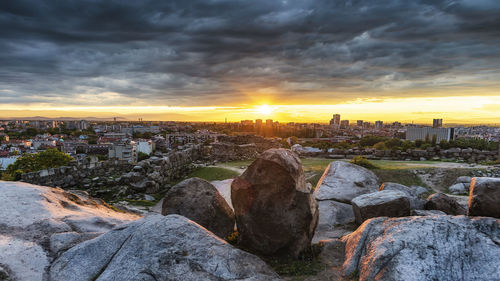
{"x": 385, "y": 203}
{"x": 198, "y": 200}
{"x": 416, "y": 194}
{"x": 424, "y": 248}
{"x": 276, "y": 213}
{"x": 340, "y": 183}
{"x": 442, "y": 202}
{"x": 484, "y": 198}
{"x": 37, "y": 223}
{"x": 159, "y": 248}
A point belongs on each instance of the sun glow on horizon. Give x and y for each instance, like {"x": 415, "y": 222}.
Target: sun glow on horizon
{"x": 265, "y": 110}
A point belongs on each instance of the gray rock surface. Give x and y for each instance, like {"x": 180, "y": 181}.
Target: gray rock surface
{"x": 442, "y": 202}
{"x": 159, "y": 248}
{"x": 37, "y": 222}
{"x": 199, "y": 200}
{"x": 333, "y": 213}
{"x": 276, "y": 213}
{"x": 484, "y": 198}
{"x": 385, "y": 203}
{"x": 416, "y": 194}
{"x": 427, "y": 213}
{"x": 458, "y": 188}
{"x": 444, "y": 248}
{"x": 343, "y": 181}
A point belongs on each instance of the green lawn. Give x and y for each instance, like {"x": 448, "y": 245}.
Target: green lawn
{"x": 213, "y": 173}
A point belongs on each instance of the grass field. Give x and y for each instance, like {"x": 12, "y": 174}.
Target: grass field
{"x": 213, "y": 173}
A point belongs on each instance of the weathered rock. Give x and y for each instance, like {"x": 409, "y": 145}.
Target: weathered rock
{"x": 484, "y": 198}
{"x": 198, "y": 200}
{"x": 343, "y": 181}
{"x": 333, "y": 213}
{"x": 427, "y": 213}
{"x": 416, "y": 194}
{"x": 385, "y": 203}
{"x": 158, "y": 248}
{"x": 424, "y": 248}
{"x": 458, "y": 188}
{"x": 33, "y": 218}
{"x": 276, "y": 213}
{"x": 442, "y": 202}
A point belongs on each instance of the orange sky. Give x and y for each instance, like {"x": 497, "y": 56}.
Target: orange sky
{"x": 460, "y": 109}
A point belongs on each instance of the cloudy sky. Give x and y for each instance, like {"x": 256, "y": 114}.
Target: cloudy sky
{"x": 199, "y": 59}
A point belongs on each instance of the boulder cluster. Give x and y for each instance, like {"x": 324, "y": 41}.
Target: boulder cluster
{"x": 403, "y": 232}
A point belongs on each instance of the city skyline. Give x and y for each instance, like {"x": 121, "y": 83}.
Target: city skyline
{"x": 293, "y": 61}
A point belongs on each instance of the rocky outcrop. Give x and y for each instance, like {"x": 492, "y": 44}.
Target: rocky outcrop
{"x": 343, "y": 181}
{"x": 484, "y": 198}
{"x": 159, "y": 248}
{"x": 461, "y": 186}
{"x": 427, "y": 213}
{"x": 333, "y": 213}
{"x": 276, "y": 213}
{"x": 38, "y": 222}
{"x": 424, "y": 248}
{"x": 385, "y": 203}
{"x": 442, "y": 202}
{"x": 416, "y": 194}
{"x": 199, "y": 201}
{"x": 340, "y": 183}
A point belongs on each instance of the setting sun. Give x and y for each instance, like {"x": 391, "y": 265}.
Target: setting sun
{"x": 265, "y": 109}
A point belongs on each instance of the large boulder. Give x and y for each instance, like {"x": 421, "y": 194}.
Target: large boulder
{"x": 442, "y": 202}
{"x": 199, "y": 200}
{"x": 37, "y": 223}
{"x": 276, "y": 213}
{"x": 424, "y": 248}
{"x": 385, "y": 203}
{"x": 484, "y": 198}
{"x": 343, "y": 181}
{"x": 158, "y": 248}
{"x": 416, "y": 194}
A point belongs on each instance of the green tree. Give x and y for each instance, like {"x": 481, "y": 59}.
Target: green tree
{"x": 49, "y": 158}
{"x": 380, "y": 146}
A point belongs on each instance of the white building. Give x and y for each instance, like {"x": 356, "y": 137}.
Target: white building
{"x": 414, "y": 134}
{"x": 123, "y": 151}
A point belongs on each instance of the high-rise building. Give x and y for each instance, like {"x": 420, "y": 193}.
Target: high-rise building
{"x": 335, "y": 120}
{"x": 344, "y": 124}
{"x": 437, "y": 123}
{"x": 379, "y": 124}
{"x": 258, "y": 122}
{"x": 269, "y": 122}
{"x": 359, "y": 123}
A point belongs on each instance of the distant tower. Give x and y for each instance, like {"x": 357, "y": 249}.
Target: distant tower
{"x": 335, "y": 120}
{"x": 437, "y": 123}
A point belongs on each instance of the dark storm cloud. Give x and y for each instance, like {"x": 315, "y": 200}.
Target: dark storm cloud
{"x": 211, "y": 52}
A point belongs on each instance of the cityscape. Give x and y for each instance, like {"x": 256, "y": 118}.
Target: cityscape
{"x": 264, "y": 140}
